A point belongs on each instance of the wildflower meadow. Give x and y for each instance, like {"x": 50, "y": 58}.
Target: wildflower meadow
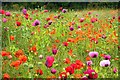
{"x": 62, "y": 43}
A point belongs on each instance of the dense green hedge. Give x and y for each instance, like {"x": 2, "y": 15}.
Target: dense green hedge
{"x": 56, "y": 5}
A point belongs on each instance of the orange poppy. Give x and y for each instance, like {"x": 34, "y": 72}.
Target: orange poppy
{"x": 18, "y": 53}
{"x": 16, "y": 63}
{"x": 57, "y": 41}
{"x": 12, "y": 38}
{"x": 70, "y": 52}
{"x": 6, "y": 76}
{"x": 67, "y": 61}
{"x": 70, "y": 40}
{"x": 23, "y": 58}
{"x": 88, "y": 58}
{"x": 77, "y": 75}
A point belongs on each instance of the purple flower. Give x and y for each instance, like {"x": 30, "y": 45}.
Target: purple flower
{"x": 115, "y": 70}
{"x": 104, "y": 63}
{"x": 24, "y": 11}
{"x": 4, "y": 20}
{"x": 93, "y": 54}
{"x": 54, "y": 51}
{"x": 53, "y": 71}
{"x": 36, "y": 22}
{"x": 7, "y": 13}
{"x": 64, "y": 10}
{"x": 71, "y": 28}
{"x": 89, "y": 63}
{"x": 107, "y": 57}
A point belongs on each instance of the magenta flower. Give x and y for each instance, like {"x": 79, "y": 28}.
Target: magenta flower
{"x": 107, "y": 57}
{"x": 49, "y": 61}
{"x": 50, "y": 22}
{"x": 24, "y": 11}
{"x": 89, "y": 63}
{"x": 53, "y": 71}
{"x": 93, "y": 54}
{"x": 82, "y": 19}
{"x": 91, "y": 74}
{"x": 93, "y": 20}
{"x": 89, "y": 13}
{"x": 45, "y": 10}
{"x": 64, "y": 10}
{"x": 79, "y": 26}
{"x": 71, "y": 28}
{"x": 36, "y": 22}
{"x": 104, "y": 63}
{"x": 54, "y": 51}
{"x": 8, "y": 14}
{"x": 115, "y": 70}
{"x": 4, "y": 20}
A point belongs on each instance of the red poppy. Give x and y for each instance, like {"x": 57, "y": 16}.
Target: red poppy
{"x": 65, "y": 43}
{"x": 18, "y": 23}
{"x": 47, "y": 19}
{"x": 79, "y": 64}
{"x": 2, "y": 12}
{"x": 34, "y": 49}
{"x": 12, "y": 38}
{"x": 70, "y": 69}
{"x": 4, "y": 53}
{"x": 39, "y": 71}
{"x": 63, "y": 75}
{"x": 6, "y": 76}
{"x": 74, "y": 66}
{"x": 60, "y": 8}
{"x": 16, "y": 63}
{"x": 45, "y": 10}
